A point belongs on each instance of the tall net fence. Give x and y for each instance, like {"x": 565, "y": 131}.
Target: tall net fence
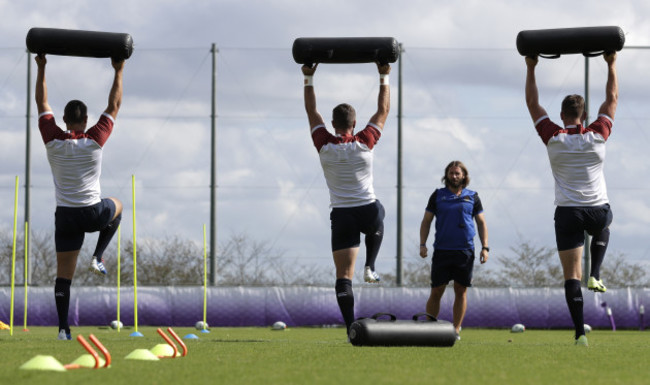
{"x": 457, "y": 104}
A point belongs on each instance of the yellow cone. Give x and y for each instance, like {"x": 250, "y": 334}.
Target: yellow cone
{"x": 88, "y": 361}
{"x": 141, "y": 354}
{"x": 163, "y": 350}
{"x": 43, "y": 363}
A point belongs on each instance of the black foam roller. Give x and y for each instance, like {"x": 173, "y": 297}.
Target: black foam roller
{"x": 69, "y": 42}
{"x": 428, "y": 331}
{"x": 589, "y": 41}
{"x": 310, "y": 50}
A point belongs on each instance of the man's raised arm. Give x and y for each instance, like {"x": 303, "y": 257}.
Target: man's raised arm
{"x": 532, "y": 94}
{"x": 383, "y": 102}
{"x": 41, "y": 86}
{"x": 611, "y": 89}
{"x": 313, "y": 115}
{"x": 115, "y": 95}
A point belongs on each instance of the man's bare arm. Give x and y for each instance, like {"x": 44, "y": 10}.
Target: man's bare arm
{"x": 532, "y": 94}
{"x": 115, "y": 95}
{"x": 611, "y": 88}
{"x": 41, "y": 86}
{"x": 315, "y": 118}
{"x": 383, "y": 101}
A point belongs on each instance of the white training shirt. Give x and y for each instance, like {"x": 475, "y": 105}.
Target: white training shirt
{"x": 577, "y": 157}
{"x": 347, "y": 164}
{"x": 75, "y": 159}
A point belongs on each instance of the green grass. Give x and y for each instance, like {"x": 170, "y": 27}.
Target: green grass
{"x": 322, "y": 356}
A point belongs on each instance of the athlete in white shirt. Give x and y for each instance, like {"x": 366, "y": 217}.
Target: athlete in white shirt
{"x": 346, "y": 159}
{"x": 75, "y": 157}
{"x": 577, "y": 156}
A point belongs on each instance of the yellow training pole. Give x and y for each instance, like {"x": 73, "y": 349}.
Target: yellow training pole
{"x": 13, "y": 263}
{"x": 119, "y": 229}
{"x": 205, "y": 281}
{"x": 135, "y": 264}
{"x": 26, "y": 266}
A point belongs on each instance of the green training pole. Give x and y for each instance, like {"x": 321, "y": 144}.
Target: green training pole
{"x": 13, "y": 263}
{"x": 26, "y": 266}
{"x": 119, "y": 272}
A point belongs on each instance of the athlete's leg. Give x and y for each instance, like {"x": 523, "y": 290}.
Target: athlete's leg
{"x": 344, "y": 260}
{"x": 572, "y": 267}
{"x": 460, "y": 305}
{"x": 66, "y": 264}
{"x": 375, "y": 236}
{"x": 433, "y": 303}
{"x": 373, "y": 243}
{"x": 107, "y": 233}
{"x": 598, "y": 249}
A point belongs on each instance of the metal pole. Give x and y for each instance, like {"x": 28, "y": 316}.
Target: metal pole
{"x": 586, "y": 266}
{"x": 28, "y": 171}
{"x": 213, "y": 172}
{"x": 398, "y": 269}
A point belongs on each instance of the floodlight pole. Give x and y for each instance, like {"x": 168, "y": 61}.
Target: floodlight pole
{"x": 213, "y": 171}
{"x": 28, "y": 165}
{"x": 398, "y": 268}
{"x": 586, "y": 266}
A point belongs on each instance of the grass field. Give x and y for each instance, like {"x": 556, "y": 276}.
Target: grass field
{"x": 322, "y": 356}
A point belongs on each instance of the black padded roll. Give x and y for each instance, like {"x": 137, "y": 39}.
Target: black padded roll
{"x": 69, "y": 42}
{"x": 310, "y": 50}
{"x": 589, "y": 41}
{"x": 393, "y": 332}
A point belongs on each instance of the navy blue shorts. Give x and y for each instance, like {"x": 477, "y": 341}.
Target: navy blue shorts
{"x": 349, "y": 222}
{"x": 572, "y": 222}
{"x": 72, "y": 223}
{"x": 456, "y": 265}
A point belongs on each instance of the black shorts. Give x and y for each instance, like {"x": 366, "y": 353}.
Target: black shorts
{"x": 447, "y": 265}
{"x": 572, "y": 222}
{"x": 348, "y": 222}
{"x": 71, "y": 223}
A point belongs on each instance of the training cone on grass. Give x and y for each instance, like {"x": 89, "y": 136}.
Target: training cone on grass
{"x": 142, "y": 354}
{"x": 87, "y": 361}
{"x": 164, "y": 351}
{"x": 43, "y": 363}
{"x": 191, "y": 336}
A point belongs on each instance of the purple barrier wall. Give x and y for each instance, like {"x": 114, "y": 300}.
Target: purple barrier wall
{"x": 302, "y": 306}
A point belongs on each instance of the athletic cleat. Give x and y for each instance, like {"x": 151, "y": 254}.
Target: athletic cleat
{"x": 97, "y": 267}
{"x": 594, "y": 284}
{"x": 64, "y": 336}
{"x": 370, "y": 276}
{"x": 582, "y": 341}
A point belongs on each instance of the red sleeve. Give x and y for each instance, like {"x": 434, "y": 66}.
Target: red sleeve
{"x": 320, "y": 136}
{"x": 602, "y": 125}
{"x": 369, "y": 135}
{"x": 546, "y": 129}
{"x": 102, "y": 130}
{"x": 48, "y": 128}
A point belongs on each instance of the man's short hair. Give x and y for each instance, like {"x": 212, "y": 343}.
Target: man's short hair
{"x": 343, "y": 116}
{"x": 75, "y": 112}
{"x": 573, "y": 106}
{"x": 456, "y": 163}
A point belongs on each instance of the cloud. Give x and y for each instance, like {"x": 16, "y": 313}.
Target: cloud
{"x": 462, "y": 99}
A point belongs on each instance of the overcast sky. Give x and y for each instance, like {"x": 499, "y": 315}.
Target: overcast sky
{"x": 463, "y": 99}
